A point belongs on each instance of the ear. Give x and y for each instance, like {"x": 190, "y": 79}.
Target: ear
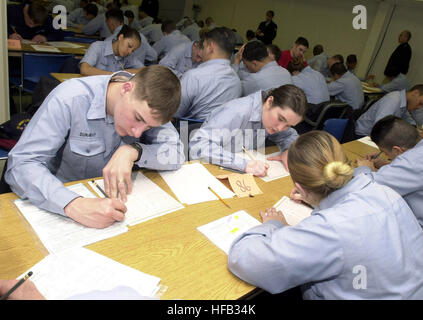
{"x": 300, "y": 189}
{"x": 269, "y": 101}
{"x": 126, "y": 88}
{"x": 397, "y": 150}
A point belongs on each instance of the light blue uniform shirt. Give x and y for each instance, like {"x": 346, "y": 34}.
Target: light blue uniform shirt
{"x": 361, "y": 235}
{"x": 348, "y": 89}
{"x": 313, "y": 84}
{"x": 393, "y": 103}
{"x": 152, "y": 32}
{"x": 144, "y": 51}
{"x": 97, "y": 24}
{"x": 270, "y": 76}
{"x": 405, "y": 175}
{"x": 77, "y": 17}
{"x": 235, "y": 124}
{"x": 206, "y": 87}
{"x": 169, "y": 41}
{"x": 179, "y": 59}
{"x": 71, "y": 138}
{"x": 400, "y": 82}
{"x": 100, "y": 55}
{"x": 320, "y": 64}
{"x": 192, "y": 32}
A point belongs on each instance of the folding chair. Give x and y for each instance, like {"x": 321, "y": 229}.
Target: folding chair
{"x": 332, "y": 109}
{"x": 4, "y": 187}
{"x": 336, "y": 127}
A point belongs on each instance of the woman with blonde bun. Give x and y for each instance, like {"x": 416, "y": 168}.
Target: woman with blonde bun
{"x": 361, "y": 241}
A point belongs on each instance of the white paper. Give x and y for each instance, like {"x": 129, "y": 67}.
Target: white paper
{"x": 224, "y": 231}
{"x": 293, "y": 212}
{"x": 45, "y": 48}
{"x": 146, "y": 201}
{"x": 276, "y": 168}
{"x": 190, "y": 184}
{"x": 58, "y": 233}
{"x": 64, "y": 44}
{"x": 367, "y": 140}
{"x": 79, "y": 270}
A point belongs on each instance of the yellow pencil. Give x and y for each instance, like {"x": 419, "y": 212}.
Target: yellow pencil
{"x": 219, "y": 197}
{"x": 248, "y": 154}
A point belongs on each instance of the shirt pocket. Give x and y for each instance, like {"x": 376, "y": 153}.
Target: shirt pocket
{"x": 87, "y": 147}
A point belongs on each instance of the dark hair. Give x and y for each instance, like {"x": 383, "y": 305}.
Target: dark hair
{"x": 37, "y": 12}
{"x": 271, "y": 12}
{"x": 168, "y": 26}
{"x": 250, "y": 34}
{"x": 275, "y": 50}
{"x": 338, "y": 68}
{"x": 255, "y": 50}
{"x": 200, "y": 23}
{"x": 129, "y": 32}
{"x": 338, "y": 57}
{"x": 115, "y": 14}
{"x": 160, "y": 88}
{"x": 92, "y": 9}
{"x": 392, "y": 131}
{"x": 418, "y": 87}
{"x": 302, "y": 41}
{"x": 223, "y": 37}
{"x": 129, "y": 14}
{"x": 288, "y": 96}
{"x": 295, "y": 64}
{"x": 408, "y": 34}
{"x": 318, "y": 49}
{"x": 352, "y": 58}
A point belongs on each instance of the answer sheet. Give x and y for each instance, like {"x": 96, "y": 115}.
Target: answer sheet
{"x": 293, "y": 212}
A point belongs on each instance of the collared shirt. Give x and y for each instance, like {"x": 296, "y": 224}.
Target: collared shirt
{"x": 361, "y": 242}
{"x": 320, "y": 64}
{"x": 97, "y": 24}
{"x": 192, "y": 32}
{"x": 400, "y": 82}
{"x": 169, "y": 41}
{"x": 144, "y": 51}
{"x": 77, "y": 17}
{"x": 235, "y": 124}
{"x": 286, "y": 58}
{"x": 404, "y": 175}
{"x": 313, "y": 84}
{"x": 270, "y": 76}
{"x": 153, "y": 33}
{"x": 206, "y": 87}
{"x": 393, "y": 103}
{"x": 100, "y": 55}
{"x": 179, "y": 59}
{"x": 71, "y": 138}
{"x": 348, "y": 89}
{"x": 146, "y": 21}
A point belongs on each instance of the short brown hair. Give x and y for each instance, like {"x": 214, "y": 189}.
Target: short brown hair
{"x": 288, "y": 96}
{"x": 160, "y": 88}
{"x": 37, "y": 12}
{"x": 296, "y": 64}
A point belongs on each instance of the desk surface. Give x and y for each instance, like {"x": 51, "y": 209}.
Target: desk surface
{"x": 65, "y": 76}
{"x": 169, "y": 247}
{"x": 26, "y": 47}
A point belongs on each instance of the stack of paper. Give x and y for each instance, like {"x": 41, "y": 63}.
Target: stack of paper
{"x": 224, "y": 231}
{"x": 293, "y": 212}
{"x": 44, "y": 48}
{"x": 367, "y": 140}
{"x": 146, "y": 201}
{"x": 79, "y": 270}
{"x": 276, "y": 170}
{"x": 64, "y": 44}
{"x": 58, "y": 233}
{"x": 190, "y": 184}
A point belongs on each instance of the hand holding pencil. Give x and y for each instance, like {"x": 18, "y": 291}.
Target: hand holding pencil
{"x": 19, "y": 290}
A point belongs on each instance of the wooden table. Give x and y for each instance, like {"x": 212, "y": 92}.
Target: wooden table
{"x": 26, "y": 47}
{"x": 65, "y": 76}
{"x": 169, "y": 247}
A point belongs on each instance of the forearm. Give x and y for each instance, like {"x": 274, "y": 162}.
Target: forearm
{"x": 87, "y": 70}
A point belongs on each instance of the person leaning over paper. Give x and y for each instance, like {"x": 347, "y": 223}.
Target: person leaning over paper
{"x": 361, "y": 241}
{"x": 97, "y": 126}
{"x": 246, "y": 122}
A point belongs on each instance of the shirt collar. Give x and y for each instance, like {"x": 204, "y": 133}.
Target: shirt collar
{"x": 108, "y": 48}
{"x": 269, "y": 65}
{"x": 98, "y": 104}
{"x": 216, "y": 61}
{"x": 359, "y": 182}
{"x": 403, "y": 99}
{"x": 256, "y": 112}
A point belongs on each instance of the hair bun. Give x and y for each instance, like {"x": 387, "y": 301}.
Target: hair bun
{"x": 337, "y": 174}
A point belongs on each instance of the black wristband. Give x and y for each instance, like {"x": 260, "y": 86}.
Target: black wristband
{"x": 138, "y": 148}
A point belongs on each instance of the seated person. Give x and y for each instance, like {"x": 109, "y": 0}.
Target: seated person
{"x": 106, "y": 57}
{"x": 171, "y": 38}
{"x": 31, "y": 21}
{"x": 81, "y": 16}
{"x": 248, "y": 122}
{"x": 351, "y": 63}
{"x": 396, "y": 80}
{"x": 105, "y": 23}
{"x": 134, "y": 24}
{"x": 297, "y": 51}
{"x": 274, "y": 51}
{"x": 361, "y": 241}
{"x": 325, "y": 70}
{"x": 346, "y": 87}
{"x": 97, "y": 126}
{"x": 144, "y": 19}
{"x": 182, "y": 58}
{"x": 153, "y": 32}
{"x": 319, "y": 62}
{"x": 402, "y": 143}
{"x": 192, "y": 31}
{"x": 251, "y": 36}
{"x": 264, "y": 73}
{"x": 397, "y": 103}
{"x": 213, "y": 82}
{"x": 310, "y": 81}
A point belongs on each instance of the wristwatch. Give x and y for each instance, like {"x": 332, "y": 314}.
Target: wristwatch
{"x": 138, "y": 148}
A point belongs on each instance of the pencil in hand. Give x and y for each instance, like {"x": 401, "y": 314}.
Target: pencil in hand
{"x": 17, "y": 285}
